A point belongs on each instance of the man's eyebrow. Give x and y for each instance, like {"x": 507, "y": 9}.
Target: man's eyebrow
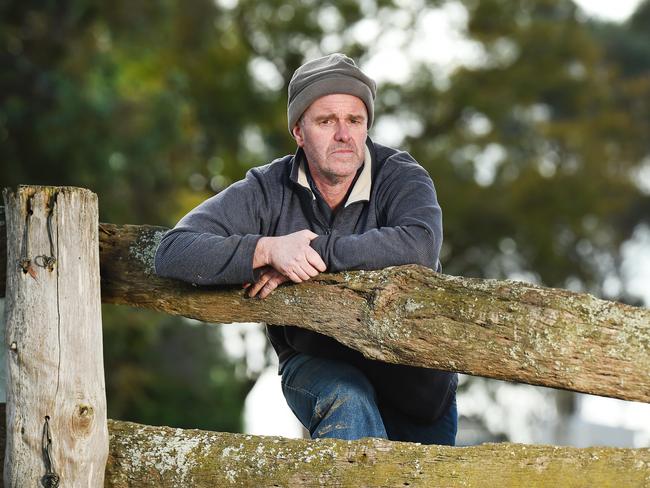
{"x": 332, "y": 115}
{"x": 318, "y": 118}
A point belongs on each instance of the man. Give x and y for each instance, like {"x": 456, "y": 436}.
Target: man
{"x": 342, "y": 202}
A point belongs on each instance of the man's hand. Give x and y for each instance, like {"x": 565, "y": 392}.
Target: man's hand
{"x": 269, "y": 280}
{"x": 290, "y": 255}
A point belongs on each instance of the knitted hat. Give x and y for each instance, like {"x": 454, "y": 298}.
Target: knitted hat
{"x": 331, "y": 74}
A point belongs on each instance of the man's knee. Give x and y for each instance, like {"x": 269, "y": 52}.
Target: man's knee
{"x": 355, "y": 395}
{"x": 348, "y": 411}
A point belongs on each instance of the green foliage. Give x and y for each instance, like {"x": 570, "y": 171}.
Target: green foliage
{"x": 162, "y": 371}
{"x": 156, "y": 106}
{"x": 563, "y": 132}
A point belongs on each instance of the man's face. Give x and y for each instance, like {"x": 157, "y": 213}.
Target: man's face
{"x": 333, "y": 132}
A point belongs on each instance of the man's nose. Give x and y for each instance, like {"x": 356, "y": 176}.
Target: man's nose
{"x": 342, "y": 132}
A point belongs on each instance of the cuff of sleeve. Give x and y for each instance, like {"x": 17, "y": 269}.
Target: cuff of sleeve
{"x": 321, "y": 245}
{"x": 249, "y": 243}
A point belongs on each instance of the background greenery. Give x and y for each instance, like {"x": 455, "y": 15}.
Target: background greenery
{"x": 535, "y": 149}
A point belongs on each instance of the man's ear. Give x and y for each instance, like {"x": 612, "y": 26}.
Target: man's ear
{"x": 297, "y": 134}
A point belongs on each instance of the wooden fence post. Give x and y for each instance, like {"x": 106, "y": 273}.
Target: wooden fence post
{"x": 56, "y": 399}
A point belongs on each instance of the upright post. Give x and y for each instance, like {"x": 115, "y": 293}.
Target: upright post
{"x": 56, "y": 401}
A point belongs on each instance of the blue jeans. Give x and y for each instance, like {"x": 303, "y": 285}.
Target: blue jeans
{"x": 335, "y": 399}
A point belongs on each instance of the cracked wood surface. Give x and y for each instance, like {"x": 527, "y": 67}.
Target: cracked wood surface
{"x": 53, "y": 338}
{"x": 411, "y": 315}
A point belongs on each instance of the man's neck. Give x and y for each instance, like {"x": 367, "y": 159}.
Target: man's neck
{"x": 333, "y": 191}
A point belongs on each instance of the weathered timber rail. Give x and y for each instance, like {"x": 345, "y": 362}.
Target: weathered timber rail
{"x": 143, "y": 456}
{"x": 411, "y": 315}
{"x": 220, "y": 459}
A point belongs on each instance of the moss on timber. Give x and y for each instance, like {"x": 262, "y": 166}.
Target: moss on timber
{"x": 150, "y": 456}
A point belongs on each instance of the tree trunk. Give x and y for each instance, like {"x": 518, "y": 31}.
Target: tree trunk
{"x": 56, "y": 401}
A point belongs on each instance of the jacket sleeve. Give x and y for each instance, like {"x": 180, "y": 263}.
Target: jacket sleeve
{"x": 410, "y": 231}
{"x": 215, "y": 242}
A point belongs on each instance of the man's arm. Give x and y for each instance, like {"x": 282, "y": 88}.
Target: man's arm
{"x": 214, "y": 243}
{"x": 221, "y": 241}
{"x": 411, "y": 234}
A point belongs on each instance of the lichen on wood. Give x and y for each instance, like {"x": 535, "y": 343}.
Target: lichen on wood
{"x": 411, "y": 315}
{"x": 143, "y": 456}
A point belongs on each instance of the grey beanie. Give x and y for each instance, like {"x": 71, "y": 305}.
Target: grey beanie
{"x": 331, "y": 74}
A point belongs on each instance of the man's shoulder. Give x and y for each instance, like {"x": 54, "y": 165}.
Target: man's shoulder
{"x": 389, "y": 160}
{"x": 275, "y": 168}
{"x": 271, "y": 175}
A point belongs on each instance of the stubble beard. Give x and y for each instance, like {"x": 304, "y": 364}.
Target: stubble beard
{"x": 331, "y": 170}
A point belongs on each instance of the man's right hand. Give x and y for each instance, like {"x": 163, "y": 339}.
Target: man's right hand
{"x": 290, "y": 255}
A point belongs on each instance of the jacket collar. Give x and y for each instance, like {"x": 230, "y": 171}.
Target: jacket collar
{"x": 361, "y": 190}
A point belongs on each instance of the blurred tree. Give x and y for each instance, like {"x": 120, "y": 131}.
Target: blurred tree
{"x": 533, "y": 149}
{"x": 162, "y": 372}
{"x": 533, "y": 145}
{"x": 154, "y": 107}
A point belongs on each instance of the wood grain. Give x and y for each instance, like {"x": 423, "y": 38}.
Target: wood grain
{"x": 143, "y": 456}
{"x": 54, "y": 338}
{"x": 411, "y": 315}
{"x": 497, "y": 329}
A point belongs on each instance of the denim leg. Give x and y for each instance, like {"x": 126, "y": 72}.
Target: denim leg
{"x": 331, "y": 398}
{"x": 400, "y": 428}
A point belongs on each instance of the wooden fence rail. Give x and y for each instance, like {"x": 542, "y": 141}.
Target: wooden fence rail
{"x": 143, "y": 456}
{"x": 411, "y": 315}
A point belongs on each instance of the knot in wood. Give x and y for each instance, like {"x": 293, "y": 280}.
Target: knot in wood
{"x": 82, "y": 420}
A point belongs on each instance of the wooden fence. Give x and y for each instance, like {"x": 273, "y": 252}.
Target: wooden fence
{"x": 57, "y": 253}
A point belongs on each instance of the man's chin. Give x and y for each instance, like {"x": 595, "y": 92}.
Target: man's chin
{"x": 343, "y": 171}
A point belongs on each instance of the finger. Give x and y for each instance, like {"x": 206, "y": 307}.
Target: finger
{"x": 257, "y": 286}
{"x": 267, "y": 289}
{"x": 294, "y": 277}
{"x": 253, "y": 290}
{"x": 315, "y": 260}
{"x": 310, "y": 270}
{"x": 246, "y": 285}
{"x": 280, "y": 278}
{"x": 300, "y": 270}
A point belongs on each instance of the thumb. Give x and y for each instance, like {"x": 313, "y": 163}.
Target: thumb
{"x": 309, "y": 234}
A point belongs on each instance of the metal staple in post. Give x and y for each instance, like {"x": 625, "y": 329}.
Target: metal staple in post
{"x": 50, "y": 479}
